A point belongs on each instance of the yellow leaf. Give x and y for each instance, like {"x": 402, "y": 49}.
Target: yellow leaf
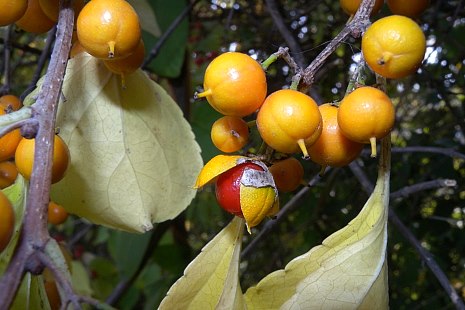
{"x": 211, "y": 281}
{"x": 347, "y": 271}
{"x": 133, "y": 155}
{"x": 216, "y": 166}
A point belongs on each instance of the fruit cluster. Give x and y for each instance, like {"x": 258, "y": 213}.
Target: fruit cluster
{"x": 291, "y": 122}
{"x": 17, "y": 156}
{"x": 106, "y": 29}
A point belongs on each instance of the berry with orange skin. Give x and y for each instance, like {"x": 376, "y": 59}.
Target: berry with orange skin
{"x": 394, "y": 46}
{"x": 412, "y": 8}
{"x": 230, "y": 133}
{"x": 333, "y": 148}
{"x": 12, "y": 10}
{"x": 108, "y": 28}
{"x": 366, "y": 114}
{"x": 128, "y": 64}
{"x": 287, "y": 174}
{"x": 7, "y": 221}
{"x": 8, "y": 174}
{"x": 234, "y": 84}
{"x": 289, "y": 121}
{"x": 10, "y": 103}
{"x": 51, "y": 8}
{"x": 351, "y": 6}
{"x": 9, "y": 142}
{"x": 24, "y": 158}
{"x": 34, "y": 19}
{"x": 56, "y": 213}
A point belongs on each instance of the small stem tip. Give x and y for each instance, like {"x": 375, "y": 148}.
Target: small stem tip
{"x": 373, "y": 147}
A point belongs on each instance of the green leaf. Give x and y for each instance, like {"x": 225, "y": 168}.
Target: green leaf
{"x": 147, "y": 19}
{"x": 134, "y": 159}
{"x": 31, "y": 294}
{"x": 127, "y": 250}
{"x": 211, "y": 281}
{"x": 169, "y": 61}
{"x": 347, "y": 271}
{"x": 16, "y": 193}
{"x": 80, "y": 279}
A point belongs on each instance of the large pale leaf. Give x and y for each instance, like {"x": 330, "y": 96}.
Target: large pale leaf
{"x": 134, "y": 159}
{"x": 211, "y": 281}
{"x": 347, "y": 271}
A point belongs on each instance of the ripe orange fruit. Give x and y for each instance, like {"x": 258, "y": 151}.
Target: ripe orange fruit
{"x": 394, "y": 46}
{"x": 51, "y": 8}
{"x": 24, "y": 158}
{"x": 10, "y": 102}
{"x": 288, "y": 174}
{"x": 128, "y": 64}
{"x": 289, "y": 121}
{"x": 333, "y": 148}
{"x": 9, "y": 142}
{"x": 412, "y": 8}
{"x": 8, "y": 173}
{"x": 108, "y": 28}
{"x": 234, "y": 84}
{"x": 56, "y": 213}
{"x": 351, "y": 6}
{"x": 230, "y": 133}
{"x": 34, "y": 19}
{"x": 11, "y": 11}
{"x": 366, "y": 114}
{"x": 7, "y": 221}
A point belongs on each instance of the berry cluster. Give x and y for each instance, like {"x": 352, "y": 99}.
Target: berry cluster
{"x": 17, "y": 156}
{"x": 291, "y": 122}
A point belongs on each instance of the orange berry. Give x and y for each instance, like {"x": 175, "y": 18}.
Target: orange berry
{"x": 234, "y": 84}
{"x": 394, "y": 46}
{"x": 8, "y": 173}
{"x": 24, "y": 158}
{"x": 128, "y": 64}
{"x": 287, "y": 174}
{"x": 230, "y": 133}
{"x": 9, "y": 142}
{"x": 333, "y": 148}
{"x": 10, "y": 102}
{"x": 351, "y": 6}
{"x": 412, "y": 8}
{"x": 108, "y": 28}
{"x": 12, "y": 10}
{"x": 289, "y": 121}
{"x": 34, "y": 19}
{"x": 366, "y": 114}
{"x": 56, "y": 213}
{"x": 7, "y": 221}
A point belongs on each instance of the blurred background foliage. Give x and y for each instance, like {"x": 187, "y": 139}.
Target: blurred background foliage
{"x": 135, "y": 271}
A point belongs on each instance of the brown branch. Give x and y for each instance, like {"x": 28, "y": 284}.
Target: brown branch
{"x": 355, "y": 28}
{"x": 34, "y": 234}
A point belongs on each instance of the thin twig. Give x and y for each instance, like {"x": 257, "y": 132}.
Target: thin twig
{"x": 355, "y": 28}
{"x": 285, "y": 32}
{"x": 6, "y": 88}
{"x": 429, "y": 149}
{"x": 156, "y": 48}
{"x": 123, "y": 286}
{"x": 41, "y": 63}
